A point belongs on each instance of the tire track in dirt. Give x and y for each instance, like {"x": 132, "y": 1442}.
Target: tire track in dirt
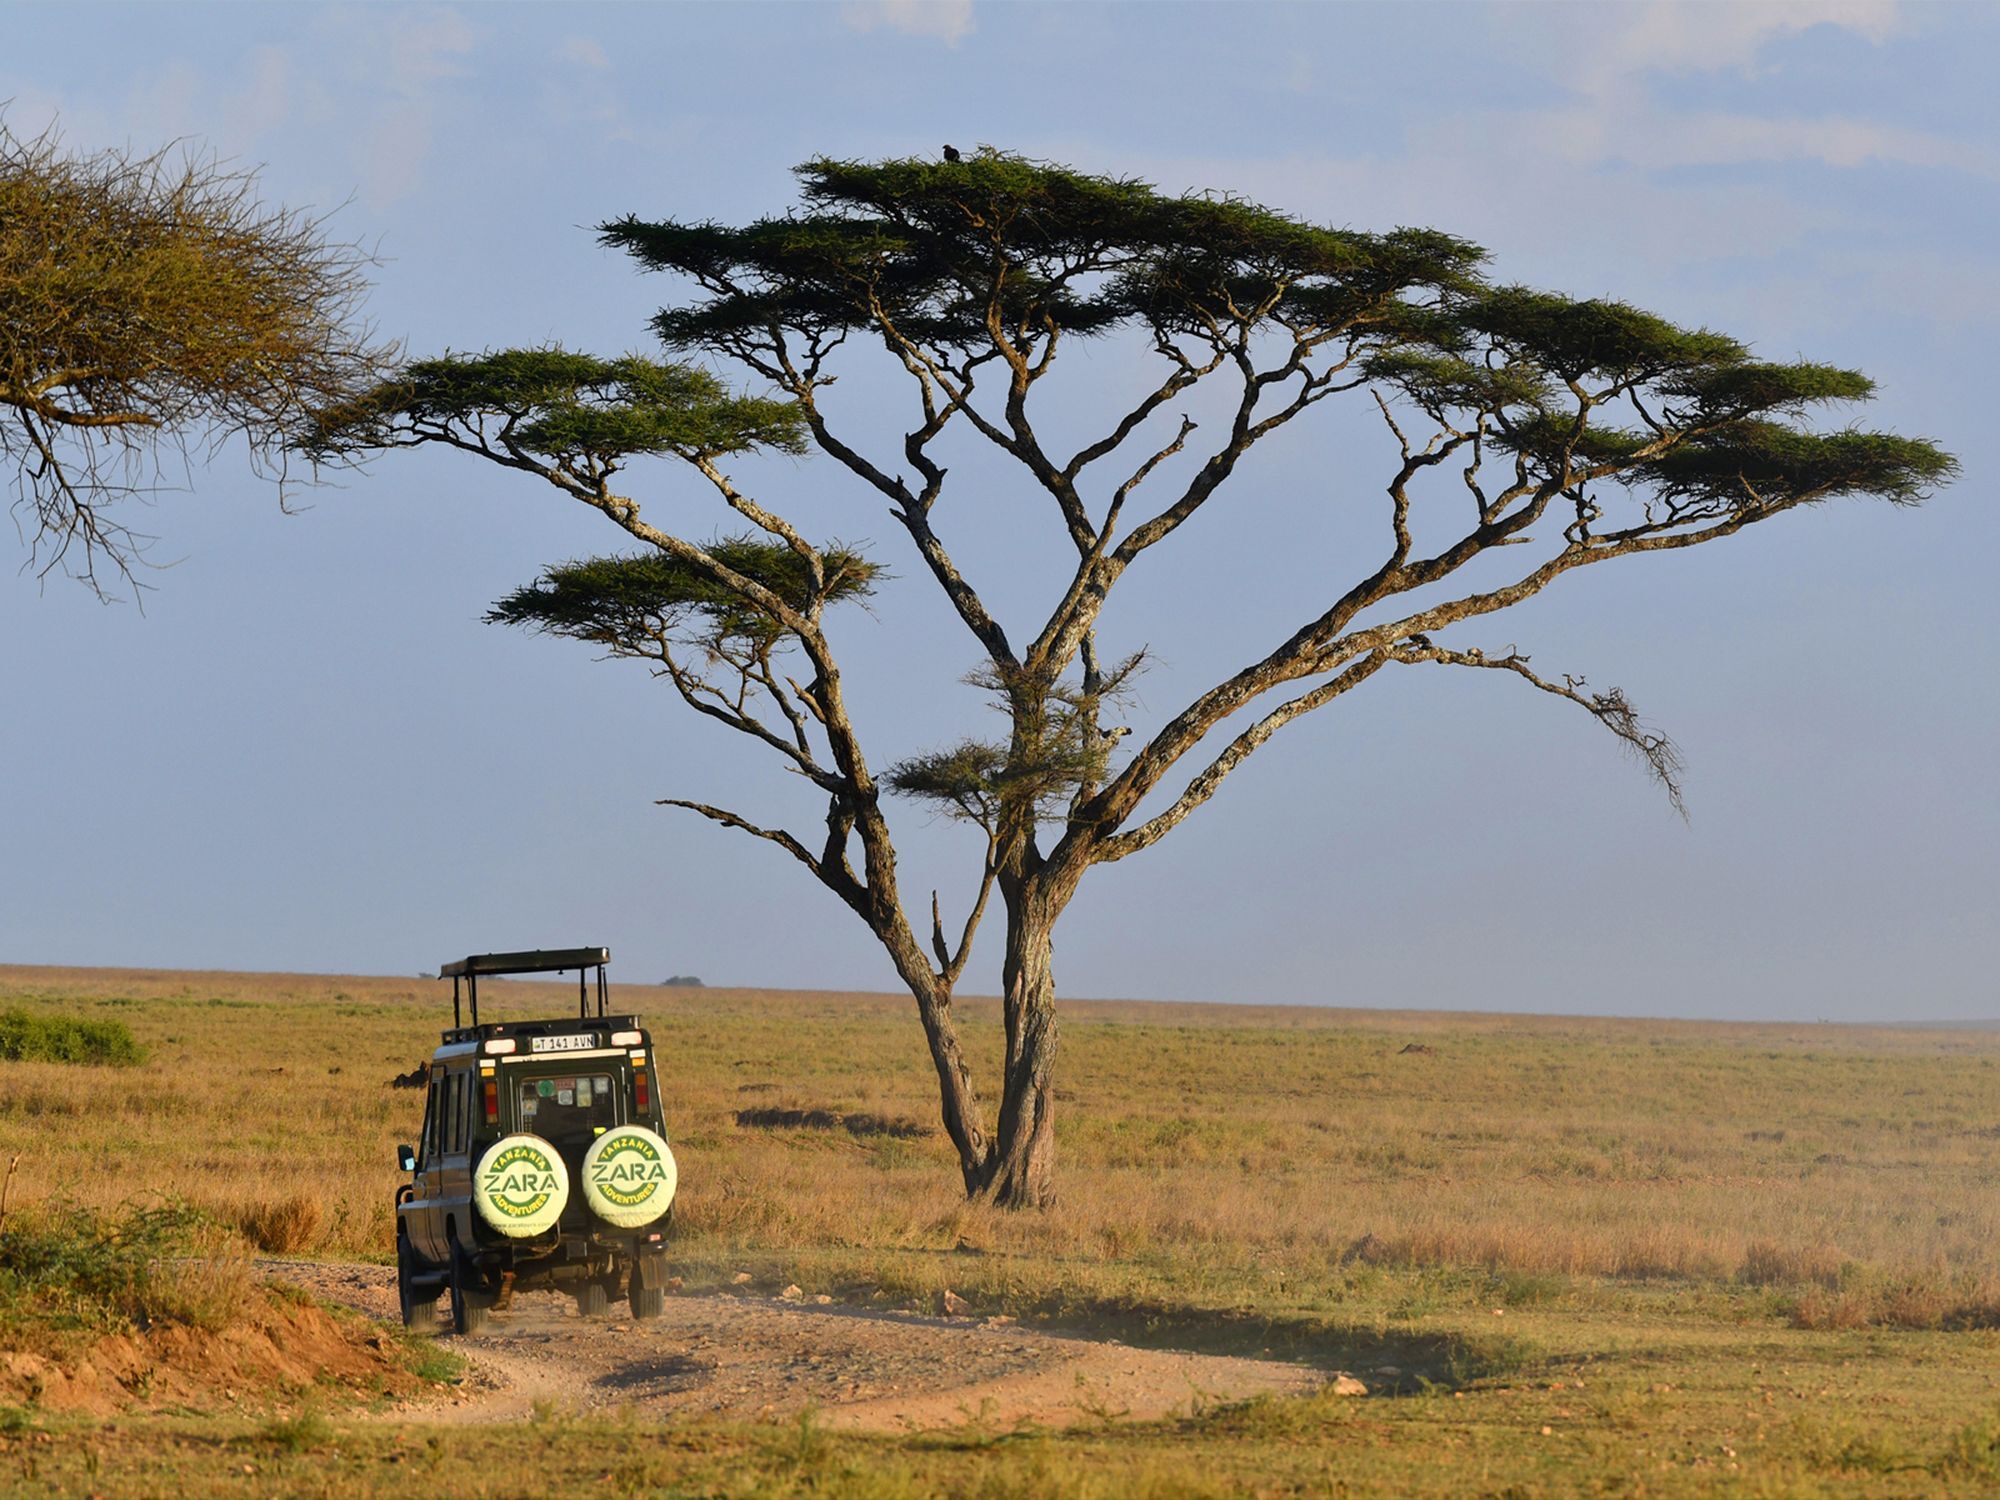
{"x": 757, "y": 1358}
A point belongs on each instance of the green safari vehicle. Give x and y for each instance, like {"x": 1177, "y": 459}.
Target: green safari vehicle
{"x": 543, "y": 1161}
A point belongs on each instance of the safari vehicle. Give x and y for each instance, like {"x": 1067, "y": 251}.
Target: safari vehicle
{"x": 543, "y": 1160}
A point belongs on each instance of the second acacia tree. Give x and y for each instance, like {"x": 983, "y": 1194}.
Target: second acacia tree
{"x": 1521, "y": 428}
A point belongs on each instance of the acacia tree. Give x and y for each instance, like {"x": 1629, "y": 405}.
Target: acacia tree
{"x": 1567, "y": 433}
{"x": 151, "y": 305}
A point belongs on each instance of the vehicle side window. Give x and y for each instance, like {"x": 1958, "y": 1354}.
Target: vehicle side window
{"x": 427, "y": 1139}
{"x": 454, "y": 1116}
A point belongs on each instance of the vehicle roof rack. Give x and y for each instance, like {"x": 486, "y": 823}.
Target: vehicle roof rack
{"x": 466, "y": 972}
{"x": 534, "y": 961}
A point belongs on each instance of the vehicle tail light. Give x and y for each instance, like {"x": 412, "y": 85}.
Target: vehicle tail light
{"x": 642, "y": 1089}
{"x": 492, "y": 1101}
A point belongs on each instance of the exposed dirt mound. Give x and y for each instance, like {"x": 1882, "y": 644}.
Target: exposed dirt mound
{"x": 279, "y": 1343}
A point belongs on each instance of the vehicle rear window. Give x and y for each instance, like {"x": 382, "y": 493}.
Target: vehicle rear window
{"x": 567, "y": 1105}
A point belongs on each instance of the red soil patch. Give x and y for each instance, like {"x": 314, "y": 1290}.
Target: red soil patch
{"x": 277, "y": 1344}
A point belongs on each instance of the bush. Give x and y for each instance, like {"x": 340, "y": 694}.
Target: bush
{"x": 284, "y": 1227}
{"x": 65, "y": 1267}
{"x": 27, "y": 1037}
{"x": 299, "y": 1433}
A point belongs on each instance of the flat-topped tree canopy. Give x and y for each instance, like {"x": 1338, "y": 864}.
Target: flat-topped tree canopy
{"x": 629, "y": 604}
{"x": 940, "y": 247}
{"x": 558, "y": 406}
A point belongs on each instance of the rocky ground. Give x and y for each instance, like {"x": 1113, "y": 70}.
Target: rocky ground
{"x": 755, "y": 1357}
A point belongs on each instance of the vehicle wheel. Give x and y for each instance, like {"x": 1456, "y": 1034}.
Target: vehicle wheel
{"x": 648, "y": 1302}
{"x": 470, "y": 1301}
{"x": 592, "y": 1300}
{"x": 420, "y": 1305}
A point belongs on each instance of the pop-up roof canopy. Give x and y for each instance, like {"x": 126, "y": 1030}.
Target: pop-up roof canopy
{"x": 535, "y": 961}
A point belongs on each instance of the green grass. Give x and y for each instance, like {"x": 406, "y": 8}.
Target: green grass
{"x": 302, "y": 1431}
{"x": 28, "y": 1037}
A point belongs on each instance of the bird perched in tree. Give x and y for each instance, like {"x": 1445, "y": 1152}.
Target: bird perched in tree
{"x": 1113, "y": 736}
{"x": 951, "y": 153}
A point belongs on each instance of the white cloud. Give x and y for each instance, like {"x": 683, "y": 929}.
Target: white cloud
{"x": 396, "y": 64}
{"x": 425, "y": 47}
{"x": 1618, "y": 119}
{"x": 584, "y": 52}
{"x": 1683, "y": 36}
{"x": 947, "y": 21}
{"x": 1631, "y": 130}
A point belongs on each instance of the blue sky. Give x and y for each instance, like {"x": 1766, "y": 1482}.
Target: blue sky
{"x": 309, "y": 753}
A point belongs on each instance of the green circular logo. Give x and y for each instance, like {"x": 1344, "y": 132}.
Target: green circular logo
{"x": 629, "y": 1176}
{"x": 521, "y": 1186}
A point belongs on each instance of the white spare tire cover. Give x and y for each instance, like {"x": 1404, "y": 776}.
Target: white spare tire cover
{"x": 629, "y": 1176}
{"x": 521, "y": 1186}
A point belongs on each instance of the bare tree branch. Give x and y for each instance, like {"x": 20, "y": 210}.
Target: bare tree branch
{"x": 1610, "y": 708}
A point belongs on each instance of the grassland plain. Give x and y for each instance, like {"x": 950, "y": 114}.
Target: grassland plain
{"x": 1630, "y": 1257}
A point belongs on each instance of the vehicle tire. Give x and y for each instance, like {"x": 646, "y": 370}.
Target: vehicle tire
{"x": 419, "y": 1304}
{"x": 592, "y": 1300}
{"x": 648, "y": 1302}
{"x": 470, "y": 1301}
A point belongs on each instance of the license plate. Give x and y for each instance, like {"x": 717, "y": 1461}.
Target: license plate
{"x": 561, "y": 1043}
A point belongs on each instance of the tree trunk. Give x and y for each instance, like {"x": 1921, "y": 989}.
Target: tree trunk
{"x": 964, "y": 1120}
{"x": 1020, "y": 1167}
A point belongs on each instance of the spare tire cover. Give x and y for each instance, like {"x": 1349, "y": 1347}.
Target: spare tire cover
{"x": 521, "y": 1186}
{"x": 629, "y": 1176}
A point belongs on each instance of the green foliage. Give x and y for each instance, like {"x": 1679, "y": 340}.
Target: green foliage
{"x": 1574, "y": 339}
{"x": 431, "y": 1362}
{"x": 630, "y": 604}
{"x": 563, "y": 405}
{"x": 1057, "y": 750}
{"x": 956, "y": 255}
{"x": 28, "y": 1037}
{"x": 1439, "y": 381}
{"x": 1747, "y": 388}
{"x": 1755, "y": 464}
{"x": 65, "y": 1267}
{"x": 301, "y": 1432}
{"x": 934, "y": 244}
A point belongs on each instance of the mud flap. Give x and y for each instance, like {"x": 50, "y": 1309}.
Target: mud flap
{"x": 649, "y": 1270}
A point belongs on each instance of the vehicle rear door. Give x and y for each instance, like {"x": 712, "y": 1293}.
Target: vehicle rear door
{"x": 569, "y": 1102}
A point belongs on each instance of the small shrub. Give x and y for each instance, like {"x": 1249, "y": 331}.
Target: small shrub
{"x": 1974, "y": 1450}
{"x": 1769, "y": 1264}
{"x": 284, "y": 1227}
{"x": 295, "y": 1434}
{"x": 432, "y": 1363}
{"x": 27, "y": 1037}
{"x": 205, "y": 1290}
{"x": 64, "y": 1267}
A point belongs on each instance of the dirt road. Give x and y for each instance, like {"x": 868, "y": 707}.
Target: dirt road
{"x": 759, "y": 1357}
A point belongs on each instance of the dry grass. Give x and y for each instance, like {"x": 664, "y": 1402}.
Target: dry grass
{"x": 287, "y": 1226}
{"x": 1211, "y": 1155}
